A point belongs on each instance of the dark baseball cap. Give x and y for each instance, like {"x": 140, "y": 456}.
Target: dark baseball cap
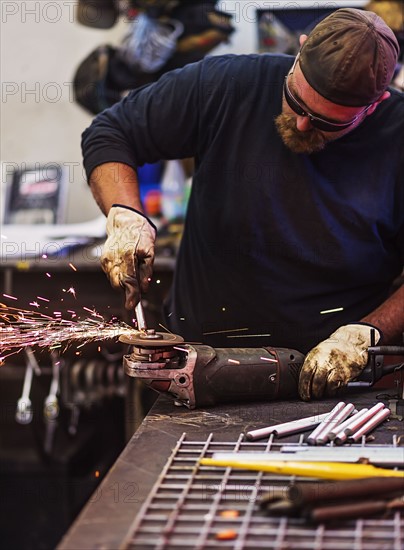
{"x": 349, "y": 57}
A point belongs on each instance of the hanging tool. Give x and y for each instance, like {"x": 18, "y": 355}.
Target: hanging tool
{"x": 51, "y": 404}
{"x": 24, "y": 412}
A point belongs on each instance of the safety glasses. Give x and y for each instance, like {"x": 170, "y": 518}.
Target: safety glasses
{"x": 316, "y": 121}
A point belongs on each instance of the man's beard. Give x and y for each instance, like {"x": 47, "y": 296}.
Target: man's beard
{"x": 299, "y": 142}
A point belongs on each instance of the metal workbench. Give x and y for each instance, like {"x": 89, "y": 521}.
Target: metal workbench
{"x": 118, "y": 506}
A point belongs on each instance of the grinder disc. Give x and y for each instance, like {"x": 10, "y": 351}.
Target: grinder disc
{"x": 144, "y": 340}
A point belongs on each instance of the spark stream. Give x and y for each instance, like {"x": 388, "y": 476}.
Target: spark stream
{"x": 21, "y": 329}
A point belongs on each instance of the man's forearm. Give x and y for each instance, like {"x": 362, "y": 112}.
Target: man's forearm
{"x": 389, "y": 317}
{"x": 115, "y": 183}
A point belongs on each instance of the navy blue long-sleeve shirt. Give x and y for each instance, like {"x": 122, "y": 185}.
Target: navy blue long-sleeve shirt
{"x": 273, "y": 240}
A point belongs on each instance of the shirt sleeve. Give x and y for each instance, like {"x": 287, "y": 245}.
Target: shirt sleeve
{"x": 155, "y": 122}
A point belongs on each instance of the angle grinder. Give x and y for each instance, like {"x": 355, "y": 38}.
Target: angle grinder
{"x": 201, "y": 376}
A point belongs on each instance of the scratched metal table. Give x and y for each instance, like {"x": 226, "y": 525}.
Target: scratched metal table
{"x": 114, "y": 516}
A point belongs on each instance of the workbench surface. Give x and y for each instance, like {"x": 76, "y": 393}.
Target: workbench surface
{"x": 105, "y": 521}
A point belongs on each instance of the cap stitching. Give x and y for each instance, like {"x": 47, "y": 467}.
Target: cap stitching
{"x": 342, "y": 71}
{"x": 383, "y": 54}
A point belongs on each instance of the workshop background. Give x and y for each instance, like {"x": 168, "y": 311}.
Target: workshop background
{"x": 82, "y": 411}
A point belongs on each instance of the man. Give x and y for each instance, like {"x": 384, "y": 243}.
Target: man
{"x": 295, "y": 224}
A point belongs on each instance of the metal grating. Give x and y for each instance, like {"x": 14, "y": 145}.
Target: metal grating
{"x": 186, "y": 505}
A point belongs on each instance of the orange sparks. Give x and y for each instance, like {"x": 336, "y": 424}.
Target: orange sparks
{"x": 229, "y": 514}
{"x": 11, "y": 297}
{"x": 72, "y": 266}
{"x": 23, "y": 329}
{"x": 228, "y": 534}
{"x": 165, "y": 328}
{"x": 72, "y": 291}
{"x": 93, "y": 312}
{"x": 226, "y": 331}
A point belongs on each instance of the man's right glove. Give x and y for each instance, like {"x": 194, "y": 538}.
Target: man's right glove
{"x": 128, "y": 254}
{"x": 333, "y": 363}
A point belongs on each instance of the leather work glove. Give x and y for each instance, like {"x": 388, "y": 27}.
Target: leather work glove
{"x": 128, "y": 253}
{"x": 336, "y": 361}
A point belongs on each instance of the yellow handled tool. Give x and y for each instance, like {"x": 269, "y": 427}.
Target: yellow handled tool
{"x": 322, "y": 470}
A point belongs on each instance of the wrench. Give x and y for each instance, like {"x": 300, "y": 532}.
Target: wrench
{"x": 24, "y": 412}
{"x": 51, "y": 404}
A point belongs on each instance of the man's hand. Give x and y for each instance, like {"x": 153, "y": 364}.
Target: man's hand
{"x": 128, "y": 254}
{"x": 336, "y": 361}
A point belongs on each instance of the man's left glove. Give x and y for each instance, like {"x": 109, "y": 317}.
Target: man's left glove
{"x": 128, "y": 254}
{"x": 336, "y": 361}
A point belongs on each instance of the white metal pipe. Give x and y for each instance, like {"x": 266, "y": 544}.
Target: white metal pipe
{"x": 299, "y": 425}
{"x": 372, "y": 423}
{"x": 329, "y": 418}
{"x": 341, "y": 416}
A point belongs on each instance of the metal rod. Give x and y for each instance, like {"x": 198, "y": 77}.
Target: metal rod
{"x": 141, "y": 322}
{"x": 372, "y": 423}
{"x": 340, "y": 428}
{"x": 331, "y": 415}
{"x": 371, "y": 412}
{"x": 299, "y": 425}
{"x": 341, "y": 416}
{"x": 288, "y": 430}
{"x": 366, "y": 418}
